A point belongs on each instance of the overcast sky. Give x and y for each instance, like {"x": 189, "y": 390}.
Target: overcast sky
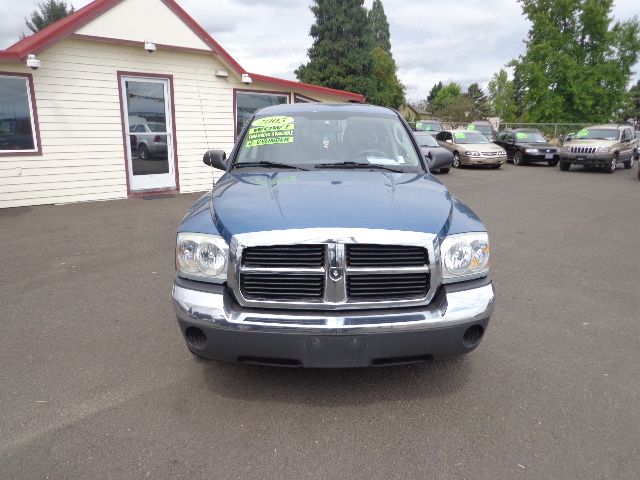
{"x": 466, "y": 40}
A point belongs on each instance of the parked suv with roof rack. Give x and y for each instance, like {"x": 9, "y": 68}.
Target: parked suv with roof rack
{"x": 600, "y": 146}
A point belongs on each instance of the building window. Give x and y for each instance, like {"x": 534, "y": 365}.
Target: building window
{"x": 18, "y": 132}
{"x": 297, "y": 98}
{"x": 248, "y": 102}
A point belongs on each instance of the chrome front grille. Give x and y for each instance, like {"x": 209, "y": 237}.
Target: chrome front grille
{"x": 583, "y": 149}
{"x": 371, "y": 255}
{"x": 284, "y": 256}
{"x": 371, "y": 268}
{"x": 387, "y": 286}
{"x": 489, "y": 154}
{"x": 282, "y": 286}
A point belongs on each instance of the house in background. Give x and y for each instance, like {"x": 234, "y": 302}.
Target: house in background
{"x": 102, "y": 118}
{"x": 413, "y": 113}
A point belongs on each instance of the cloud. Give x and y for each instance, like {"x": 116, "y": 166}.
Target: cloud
{"x": 466, "y": 41}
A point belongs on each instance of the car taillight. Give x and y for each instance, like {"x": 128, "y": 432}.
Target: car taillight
{"x": 157, "y": 138}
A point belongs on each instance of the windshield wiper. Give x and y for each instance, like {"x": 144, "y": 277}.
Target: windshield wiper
{"x": 357, "y": 165}
{"x": 267, "y": 164}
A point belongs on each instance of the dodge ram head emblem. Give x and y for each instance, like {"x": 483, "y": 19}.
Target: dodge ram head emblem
{"x": 335, "y": 273}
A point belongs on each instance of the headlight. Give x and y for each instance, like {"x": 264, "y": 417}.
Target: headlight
{"x": 202, "y": 257}
{"x": 530, "y": 150}
{"x": 465, "y": 256}
{"x": 502, "y": 153}
{"x": 603, "y": 149}
{"x": 472, "y": 154}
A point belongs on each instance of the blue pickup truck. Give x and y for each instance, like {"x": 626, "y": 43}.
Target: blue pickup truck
{"x": 327, "y": 243}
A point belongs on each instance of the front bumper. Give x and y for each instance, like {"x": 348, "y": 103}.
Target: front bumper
{"x": 541, "y": 157}
{"x": 473, "y": 160}
{"x": 215, "y": 326}
{"x": 587, "y": 159}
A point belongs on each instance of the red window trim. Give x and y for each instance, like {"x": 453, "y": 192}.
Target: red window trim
{"x": 34, "y": 113}
{"x": 169, "y": 77}
{"x": 246, "y": 90}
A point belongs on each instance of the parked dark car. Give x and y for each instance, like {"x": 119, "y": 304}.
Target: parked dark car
{"x": 327, "y": 243}
{"x": 484, "y": 127}
{"x": 428, "y": 126}
{"x": 438, "y": 158}
{"x": 525, "y": 145}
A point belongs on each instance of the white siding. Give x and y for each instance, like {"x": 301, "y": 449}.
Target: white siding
{"x": 78, "y": 106}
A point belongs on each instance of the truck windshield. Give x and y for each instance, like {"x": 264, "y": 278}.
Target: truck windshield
{"x": 324, "y": 139}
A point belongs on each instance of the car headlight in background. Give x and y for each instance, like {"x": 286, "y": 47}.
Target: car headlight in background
{"x": 202, "y": 257}
{"x": 465, "y": 256}
{"x": 603, "y": 149}
{"x": 472, "y": 154}
{"x": 531, "y": 150}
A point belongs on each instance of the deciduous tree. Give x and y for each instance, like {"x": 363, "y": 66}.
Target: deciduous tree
{"x": 578, "y": 61}
{"x": 502, "y": 96}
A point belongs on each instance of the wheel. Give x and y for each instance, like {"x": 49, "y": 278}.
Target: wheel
{"x": 565, "y": 166}
{"x": 611, "y": 167}
{"x": 144, "y": 152}
{"x": 629, "y": 163}
{"x": 445, "y": 170}
{"x": 456, "y": 160}
{"x": 553, "y": 163}
{"x": 517, "y": 159}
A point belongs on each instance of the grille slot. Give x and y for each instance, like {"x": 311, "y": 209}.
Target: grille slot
{"x": 583, "y": 149}
{"x": 388, "y": 286}
{"x": 282, "y": 286}
{"x": 284, "y": 256}
{"x": 367, "y": 255}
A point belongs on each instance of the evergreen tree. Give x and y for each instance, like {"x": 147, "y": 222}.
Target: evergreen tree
{"x": 341, "y": 55}
{"x": 433, "y": 93}
{"x": 577, "y": 63}
{"x": 48, "y": 12}
{"x": 479, "y": 102}
{"x": 380, "y": 27}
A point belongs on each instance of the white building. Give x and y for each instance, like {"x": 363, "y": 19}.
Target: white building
{"x": 101, "y": 118}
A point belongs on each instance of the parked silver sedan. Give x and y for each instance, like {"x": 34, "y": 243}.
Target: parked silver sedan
{"x": 150, "y": 139}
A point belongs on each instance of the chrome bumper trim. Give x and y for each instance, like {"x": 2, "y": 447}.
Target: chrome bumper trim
{"x": 218, "y": 310}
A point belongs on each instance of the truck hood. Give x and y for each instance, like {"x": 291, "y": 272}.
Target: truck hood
{"x": 252, "y": 202}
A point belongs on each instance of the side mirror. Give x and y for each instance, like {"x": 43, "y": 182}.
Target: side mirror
{"x": 511, "y": 141}
{"x": 215, "y": 159}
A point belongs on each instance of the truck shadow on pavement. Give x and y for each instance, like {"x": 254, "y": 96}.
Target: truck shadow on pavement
{"x": 338, "y": 387}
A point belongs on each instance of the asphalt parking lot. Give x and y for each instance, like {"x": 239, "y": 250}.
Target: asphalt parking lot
{"x": 95, "y": 381}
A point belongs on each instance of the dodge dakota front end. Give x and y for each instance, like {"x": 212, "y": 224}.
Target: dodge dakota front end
{"x": 327, "y": 243}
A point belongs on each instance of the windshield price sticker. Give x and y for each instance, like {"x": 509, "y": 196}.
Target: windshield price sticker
{"x": 460, "y": 135}
{"x": 522, "y": 136}
{"x": 471, "y": 127}
{"x": 270, "y": 131}
{"x": 582, "y": 133}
